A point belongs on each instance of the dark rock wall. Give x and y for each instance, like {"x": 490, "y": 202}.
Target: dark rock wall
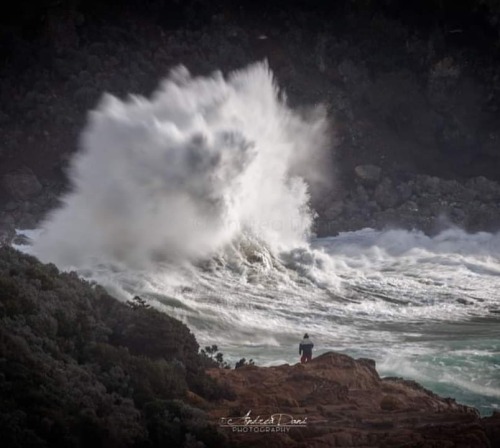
{"x": 413, "y": 90}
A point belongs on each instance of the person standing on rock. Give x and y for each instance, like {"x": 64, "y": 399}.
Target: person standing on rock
{"x": 305, "y": 349}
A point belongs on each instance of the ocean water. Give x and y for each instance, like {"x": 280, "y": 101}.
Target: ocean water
{"x": 197, "y": 199}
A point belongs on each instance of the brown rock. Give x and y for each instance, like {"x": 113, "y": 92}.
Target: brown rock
{"x": 390, "y": 403}
{"x": 344, "y": 402}
{"x": 492, "y": 427}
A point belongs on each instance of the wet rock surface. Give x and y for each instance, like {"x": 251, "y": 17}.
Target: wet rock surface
{"x": 344, "y": 402}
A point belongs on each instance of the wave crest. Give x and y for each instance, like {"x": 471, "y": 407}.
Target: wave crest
{"x": 183, "y": 174}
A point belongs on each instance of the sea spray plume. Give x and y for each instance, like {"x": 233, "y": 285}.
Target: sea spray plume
{"x": 202, "y": 163}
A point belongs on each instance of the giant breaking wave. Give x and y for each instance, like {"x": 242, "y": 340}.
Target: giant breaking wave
{"x": 204, "y": 162}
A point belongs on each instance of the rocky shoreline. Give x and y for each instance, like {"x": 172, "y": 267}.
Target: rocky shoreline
{"x": 375, "y": 200}
{"x": 336, "y": 401}
{"x": 421, "y": 202}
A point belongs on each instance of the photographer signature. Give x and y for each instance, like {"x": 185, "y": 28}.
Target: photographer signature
{"x": 272, "y": 420}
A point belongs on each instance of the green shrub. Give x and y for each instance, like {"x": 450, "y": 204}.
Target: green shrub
{"x": 243, "y": 362}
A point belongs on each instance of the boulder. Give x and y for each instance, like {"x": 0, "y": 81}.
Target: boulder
{"x": 368, "y": 174}
{"x": 333, "y": 210}
{"x": 386, "y": 194}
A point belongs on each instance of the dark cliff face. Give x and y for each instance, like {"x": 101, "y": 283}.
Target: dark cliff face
{"x": 413, "y": 90}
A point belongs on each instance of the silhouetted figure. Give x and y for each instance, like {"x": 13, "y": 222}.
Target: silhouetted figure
{"x": 305, "y": 349}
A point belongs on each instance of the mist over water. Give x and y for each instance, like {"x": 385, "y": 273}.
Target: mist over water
{"x": 197, "y": 199}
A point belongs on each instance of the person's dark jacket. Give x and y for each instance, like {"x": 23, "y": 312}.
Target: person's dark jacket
{"x": 306, "y": 346}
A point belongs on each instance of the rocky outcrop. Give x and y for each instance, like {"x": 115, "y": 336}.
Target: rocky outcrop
{"x": 336, "y": 401}
{"x": 422, "y": 202}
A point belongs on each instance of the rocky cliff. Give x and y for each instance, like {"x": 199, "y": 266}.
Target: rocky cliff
{"x": 336, "y": 401}
{"x": 413, "y": 91}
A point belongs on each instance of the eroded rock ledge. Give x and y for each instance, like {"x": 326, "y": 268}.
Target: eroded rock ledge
{"x": 346, "y": 403}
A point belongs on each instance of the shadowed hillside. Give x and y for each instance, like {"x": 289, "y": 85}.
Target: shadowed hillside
{"x": 79, "y": 368}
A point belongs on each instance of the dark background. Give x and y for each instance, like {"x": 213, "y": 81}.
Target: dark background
{"x": 411, "y": 87}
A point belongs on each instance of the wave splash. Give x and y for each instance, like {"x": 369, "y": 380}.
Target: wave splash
{"x": 181, "y": 175}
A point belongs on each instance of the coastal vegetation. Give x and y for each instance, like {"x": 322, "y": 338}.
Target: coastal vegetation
{"x": 80, "y": 368}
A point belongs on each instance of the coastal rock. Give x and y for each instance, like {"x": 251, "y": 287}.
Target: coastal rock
{"x": 368, "y": 174}
{"x": 426, "y": 203}
{"x": 334, "y": 209}
{"x": 492, "y": 427}
{"x": 343, "y": 402}
{"x": 386, "y": 195}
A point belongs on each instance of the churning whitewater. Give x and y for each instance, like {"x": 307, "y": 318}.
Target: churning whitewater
{"x": 198, "y": 200}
